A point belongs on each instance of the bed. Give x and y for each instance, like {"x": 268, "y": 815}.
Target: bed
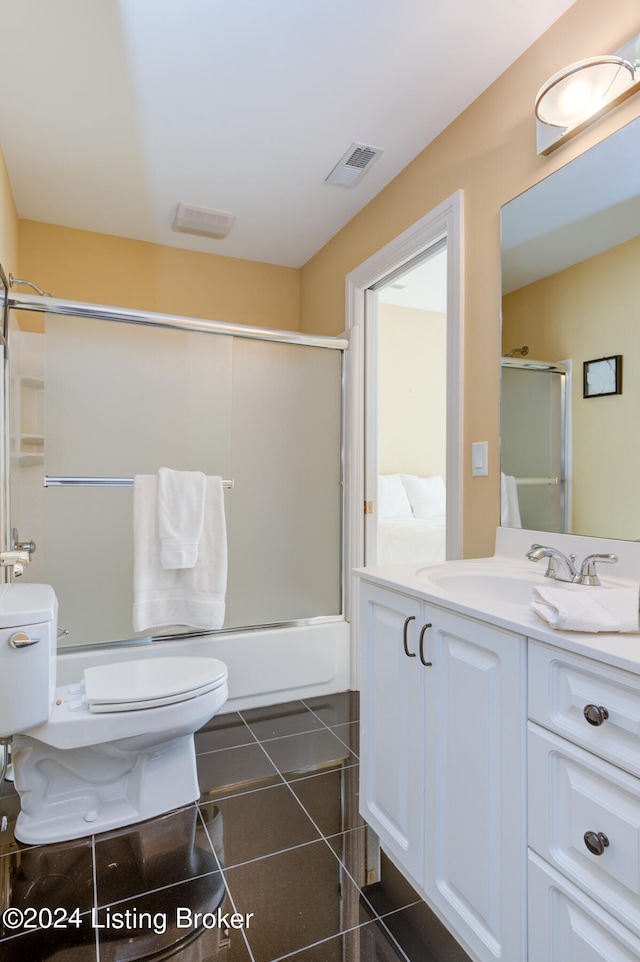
{"x": 411, "y": 519}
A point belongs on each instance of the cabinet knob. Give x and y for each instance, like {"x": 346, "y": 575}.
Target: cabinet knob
{"x": 427, "y": 664}
{"x": 405, "y": 641}
{"x": 595, "y": 714}
{"x": 596, "y": 842}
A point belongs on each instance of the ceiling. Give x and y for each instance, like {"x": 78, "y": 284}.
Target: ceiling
{"x": 114, "y": 111}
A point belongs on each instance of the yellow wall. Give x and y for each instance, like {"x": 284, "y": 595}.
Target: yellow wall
{"x": 8, "y": 223}
{"x": 84, "y": 266}
{"x": 585, "y": 312}
{"x": 490, "y": 153}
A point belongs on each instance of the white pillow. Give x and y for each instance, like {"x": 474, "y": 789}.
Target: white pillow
{"x": 427, "y": 496}
{"x": 392, "y": 497}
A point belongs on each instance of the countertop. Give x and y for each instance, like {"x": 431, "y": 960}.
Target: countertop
{"x": 613, "y": 648}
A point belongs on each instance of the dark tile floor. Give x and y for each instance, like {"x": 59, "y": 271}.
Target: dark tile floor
{"x": 274, "y": 859}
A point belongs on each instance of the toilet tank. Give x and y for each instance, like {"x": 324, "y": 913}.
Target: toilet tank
{"x": 28, "y": 635}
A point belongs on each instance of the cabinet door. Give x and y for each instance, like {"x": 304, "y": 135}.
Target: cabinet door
{"x": 391, "y": 719}
{"x": 475, "y": 838}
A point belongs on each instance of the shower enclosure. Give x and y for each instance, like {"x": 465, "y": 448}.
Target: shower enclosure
{"x": 536, "y": 442}
{"x": 94, "y": 403}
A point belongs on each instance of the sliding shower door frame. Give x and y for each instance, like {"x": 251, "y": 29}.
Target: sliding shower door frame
{"x": 52, "y": 305}
{"x": 564, "y": 370}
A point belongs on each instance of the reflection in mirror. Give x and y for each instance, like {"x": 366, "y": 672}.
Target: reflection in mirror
{"x": 92, "y": 398}
{"x": 535, "y": 452}
{"x": 570, "y": 256}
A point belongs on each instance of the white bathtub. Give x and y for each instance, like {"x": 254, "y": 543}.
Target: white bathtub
{"x": 266, "y": 665}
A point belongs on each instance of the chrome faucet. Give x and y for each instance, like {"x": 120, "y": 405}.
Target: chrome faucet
{"x": 19, "y": 556}
{"x": 561, "y": 568}
{"x": 588, "y": 574}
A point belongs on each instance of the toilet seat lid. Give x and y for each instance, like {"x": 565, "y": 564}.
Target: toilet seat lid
{"x": 151, "y": 682}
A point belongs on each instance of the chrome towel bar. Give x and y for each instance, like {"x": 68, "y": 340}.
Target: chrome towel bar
{"x": 50, "y": 481}
{"x": 545, "y": 480}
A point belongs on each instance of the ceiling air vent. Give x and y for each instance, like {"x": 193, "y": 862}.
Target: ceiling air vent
{"x": 353, "y": 165}
{"x": 202, "y": 221}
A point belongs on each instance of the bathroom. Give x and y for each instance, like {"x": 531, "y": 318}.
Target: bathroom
{"x": 488, "y": 153}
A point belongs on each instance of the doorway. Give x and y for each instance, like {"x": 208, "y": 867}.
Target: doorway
{"x": 406, "y": 323}
{"x": 442, "y": 226}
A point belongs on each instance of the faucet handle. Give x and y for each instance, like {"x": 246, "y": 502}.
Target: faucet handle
{"x": 18, "y": 560}
{"x": 588, "y": 574}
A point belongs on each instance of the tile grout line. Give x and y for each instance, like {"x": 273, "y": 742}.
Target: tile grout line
{"x": 313, "y": 945}
{"x": 332, "y": 730}
{"x": 325, "y": 839}
{"x": 94, "y": 872}
{"x": 224, "y": 879}
{"x": 317, "y": 828}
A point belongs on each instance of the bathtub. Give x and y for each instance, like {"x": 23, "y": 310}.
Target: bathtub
{"x": 266, "y": 665}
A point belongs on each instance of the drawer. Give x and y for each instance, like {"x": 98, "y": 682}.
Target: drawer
{"x": 572, "y": 793}
{"x": 562, "y": 685}
{"x": 566, "y": 926}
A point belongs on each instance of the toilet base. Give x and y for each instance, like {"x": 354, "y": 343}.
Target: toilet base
{"x": 71, "y": 793}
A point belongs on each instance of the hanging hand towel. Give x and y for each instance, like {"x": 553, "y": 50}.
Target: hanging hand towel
{"x": 181, "y": 497}
{"x": 509, "y": 506}
{"x": 582, "y": 608}
{"x": 179, "y": 597}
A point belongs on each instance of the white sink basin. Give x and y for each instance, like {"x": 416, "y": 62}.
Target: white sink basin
{"x": 504, "y": 583}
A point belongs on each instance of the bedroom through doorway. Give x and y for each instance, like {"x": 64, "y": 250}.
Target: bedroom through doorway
{"x": 406, "y": 332}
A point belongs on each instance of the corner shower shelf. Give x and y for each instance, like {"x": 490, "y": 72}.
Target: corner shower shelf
{"x": 28, "y": 401}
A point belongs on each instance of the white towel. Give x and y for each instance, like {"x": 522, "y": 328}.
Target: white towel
{"x": 509, "y": 507}
{"x": 180, "y": 516}
{"x": 583, "y": 608}
{"x": 181, "y": 597}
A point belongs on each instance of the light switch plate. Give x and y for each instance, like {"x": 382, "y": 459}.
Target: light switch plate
{"x": 480, "y": 459}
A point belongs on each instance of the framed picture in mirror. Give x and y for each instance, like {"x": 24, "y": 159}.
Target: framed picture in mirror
{"x": 603, "y": 376}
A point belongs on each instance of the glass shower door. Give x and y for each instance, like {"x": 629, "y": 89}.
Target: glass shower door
{"x": 534, "y": 453}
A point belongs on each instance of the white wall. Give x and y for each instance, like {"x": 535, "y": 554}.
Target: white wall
{"x": 412, "y": 399}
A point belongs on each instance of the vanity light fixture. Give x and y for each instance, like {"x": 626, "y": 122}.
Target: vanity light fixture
{"x": 574, "y": 97}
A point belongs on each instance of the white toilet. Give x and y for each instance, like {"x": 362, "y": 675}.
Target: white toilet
{"x": 112, "y": 750}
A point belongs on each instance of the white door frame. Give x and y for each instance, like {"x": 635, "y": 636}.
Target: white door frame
{"x": 444, "y": 221}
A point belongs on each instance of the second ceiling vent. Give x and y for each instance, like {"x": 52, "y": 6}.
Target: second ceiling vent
{"x": 353, "y": 165}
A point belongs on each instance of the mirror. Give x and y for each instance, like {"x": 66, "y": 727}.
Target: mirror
{"x": 570, "y": 261}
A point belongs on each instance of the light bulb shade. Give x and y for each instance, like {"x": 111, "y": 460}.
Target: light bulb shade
{"x": 580, "y": 91}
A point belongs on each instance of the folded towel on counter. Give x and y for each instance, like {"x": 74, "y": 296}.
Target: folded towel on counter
{"x": 180, "y": 516}
{"x": 178, "y": 597}
{"x": 583, "y": 608}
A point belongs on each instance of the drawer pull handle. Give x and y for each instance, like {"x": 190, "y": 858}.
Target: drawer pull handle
{"x": 596, "y": 842}
{"x": 405, "y": 642}
{"x": 595, "y": 714}
{"x": 427, "y": 664}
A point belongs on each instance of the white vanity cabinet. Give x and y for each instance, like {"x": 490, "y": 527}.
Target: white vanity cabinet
{"x": 584, "y": 809}
{"x": 443, "y": 773}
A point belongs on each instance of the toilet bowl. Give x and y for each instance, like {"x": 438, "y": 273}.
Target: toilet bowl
{"x": 114, "y": 749}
